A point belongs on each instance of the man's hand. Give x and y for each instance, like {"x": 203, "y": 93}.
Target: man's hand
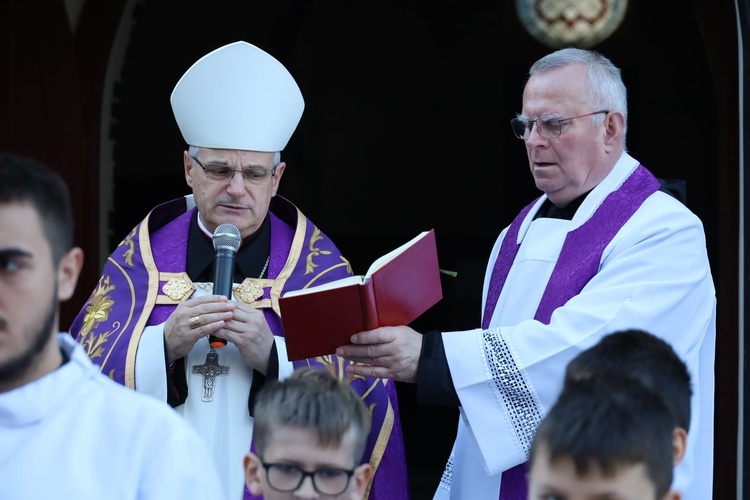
{"x": 249, "y": 331}
{"x": 208, "y": 314}
{"x": 390, "y": 352}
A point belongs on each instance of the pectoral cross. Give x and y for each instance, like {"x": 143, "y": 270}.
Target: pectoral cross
{"x": 210, "y": 370}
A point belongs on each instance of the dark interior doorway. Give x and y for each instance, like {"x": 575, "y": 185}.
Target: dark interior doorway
{"x": 405, "y": 129}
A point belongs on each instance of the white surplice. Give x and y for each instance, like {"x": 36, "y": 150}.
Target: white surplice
{"x": 224, "y": 423}
{"x": 654, "y": 276}
{"x": 74, "y": 433}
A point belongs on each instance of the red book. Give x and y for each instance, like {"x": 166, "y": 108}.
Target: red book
{"x": 398, "y": 287}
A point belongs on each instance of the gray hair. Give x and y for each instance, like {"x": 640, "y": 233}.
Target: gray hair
{"x": 605, "y": 79}
{"x": 194, "y": 150}
{"x": 312, "y": 399}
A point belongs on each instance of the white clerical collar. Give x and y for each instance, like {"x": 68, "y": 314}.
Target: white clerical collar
{"x": 203, "y": 228}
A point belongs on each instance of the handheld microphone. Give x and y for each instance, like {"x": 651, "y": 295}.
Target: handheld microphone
{"x": 226, "y": 241}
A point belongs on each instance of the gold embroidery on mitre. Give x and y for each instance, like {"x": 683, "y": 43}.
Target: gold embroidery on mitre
{"x": 178, "y": 287}
{"x": 248, "y": 291}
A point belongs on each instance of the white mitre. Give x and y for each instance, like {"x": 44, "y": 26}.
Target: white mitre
{"x": 237, "y": 97}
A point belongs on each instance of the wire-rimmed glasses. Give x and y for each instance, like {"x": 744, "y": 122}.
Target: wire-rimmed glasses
{"x": 549, "y": 128}
{"x": 220, "y": 172}
{"x": 327, "y": 481}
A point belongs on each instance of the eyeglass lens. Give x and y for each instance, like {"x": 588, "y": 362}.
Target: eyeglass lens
{"x": 549, "y": 129}
{"x": 255, "y": 175}
{"x": 218, "y": 172}
{"x": 326, "y": 481}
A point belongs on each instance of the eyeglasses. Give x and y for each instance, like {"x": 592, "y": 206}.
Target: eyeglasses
{"x": 327, "y": 481}
{"x": 219, "y": 172}
{"x": 549, "y": 128}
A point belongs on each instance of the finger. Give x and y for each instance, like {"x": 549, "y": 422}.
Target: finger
{"x": 202, "y": 300}
{"x": 365, "y": 358}
{"x": 368, "y": 337}
{"x": 358, "y": 353}
{"x": 237, "y": 324}
{"x": 368, "y": 371}
{"x": 372, "y": 352}
{"x": 195, "y": 322}
{"x": 212, "y": 318}
{"x": 205, "y": 324}
{"x": 220, "y": 306}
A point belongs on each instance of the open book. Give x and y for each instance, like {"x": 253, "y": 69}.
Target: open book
{"x": 398, "y": 287}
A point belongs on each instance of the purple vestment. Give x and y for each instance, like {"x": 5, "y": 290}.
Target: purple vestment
{"x": 130, "y": 296}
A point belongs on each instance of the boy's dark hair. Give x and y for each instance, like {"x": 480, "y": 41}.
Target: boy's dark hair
{"x": 646, "y": 357}
{"x": 23, "y": 180}
{"x": 610, "y": 421}
{"x": 311, "y": 398}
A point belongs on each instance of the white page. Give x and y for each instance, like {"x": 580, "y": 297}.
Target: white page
{"x": 351, "y": 280}
{"x": 381, "y": 261}
{"x": 358, "y": 279}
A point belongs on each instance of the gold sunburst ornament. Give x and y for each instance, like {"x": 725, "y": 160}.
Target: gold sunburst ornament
{"x": 178, "y": 288}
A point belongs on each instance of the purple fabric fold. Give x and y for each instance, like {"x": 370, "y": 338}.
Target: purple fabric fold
{"x": 124, "y": 302}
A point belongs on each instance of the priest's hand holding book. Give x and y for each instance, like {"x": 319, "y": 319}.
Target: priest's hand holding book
{"x": 386, "y": 352}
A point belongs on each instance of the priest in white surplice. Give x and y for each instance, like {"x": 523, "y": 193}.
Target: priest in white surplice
{"x": 604, "y": 248}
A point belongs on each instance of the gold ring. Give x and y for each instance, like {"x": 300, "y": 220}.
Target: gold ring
{"x": 194, "y": 322}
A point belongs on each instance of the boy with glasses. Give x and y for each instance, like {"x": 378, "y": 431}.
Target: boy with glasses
{"x": 310, "y": 434}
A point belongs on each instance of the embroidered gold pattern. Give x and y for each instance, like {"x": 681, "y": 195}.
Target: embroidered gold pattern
{"x": 97, "y": 310}
{"x": 178, "y": 288}
{"x": 99, "y": 305}
{"x": 248, "y": 291}
{"x": 94, "y": 343}
{"x": 314, "y": 251}
{"x": 128, "y": 255}
{"x": 348, "y": 264}
{"x": 337, "y": 368}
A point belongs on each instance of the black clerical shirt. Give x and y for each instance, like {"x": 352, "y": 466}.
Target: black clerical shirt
{"x": 250, "y": 260}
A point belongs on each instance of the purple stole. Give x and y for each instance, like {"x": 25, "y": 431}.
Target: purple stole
{"x": 132, "y": 280}
{"x": 578, "y": 262}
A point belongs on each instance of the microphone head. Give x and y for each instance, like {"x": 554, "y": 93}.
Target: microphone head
{"x": 227, "y": 236}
